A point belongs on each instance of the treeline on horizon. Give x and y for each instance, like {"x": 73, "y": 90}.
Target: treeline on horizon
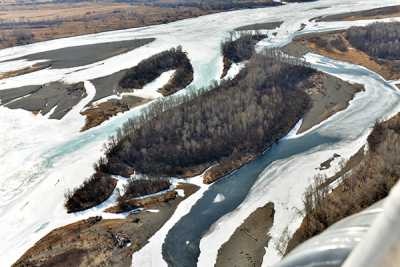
{"x": 213, "y": 4}
{"x": 207, "y": 4}
{"x": 239, "y": 116}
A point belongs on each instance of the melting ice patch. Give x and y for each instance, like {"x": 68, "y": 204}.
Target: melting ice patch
{"x": 219, "y": 198}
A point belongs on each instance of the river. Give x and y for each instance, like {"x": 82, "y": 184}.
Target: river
{"x": 43, "y": 158}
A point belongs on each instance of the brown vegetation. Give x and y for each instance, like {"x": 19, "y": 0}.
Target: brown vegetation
{"x": 135, "y": 78}
{"x": 23, "y": 71}
{"x": 375, "y": 47}
{"x": 224, "y": 167}
{"x": 378, "y": 40}
{"x": 236, "y": 50}
{"x": 211, "y": 5}
{"x": 367, "y": 183}
{"x": 101, "y": 242}
{"x": 142, "y": 187}
{"x": 33, "y": 21}
{"x": 41, "y": 22}
{"x": 146, "y": 202}
{"x": 265, "y": 101}
{"x": 149, "y": 69}
{"x": 96, "y": 115}
{"x": 92, "y": 192}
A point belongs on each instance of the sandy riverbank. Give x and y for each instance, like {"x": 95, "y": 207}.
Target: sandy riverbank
{"x": 318, "y": 43}
{"x": 102, "y": 242}
{"x": 246, "y": 247}
{"x": 329, "y": 96}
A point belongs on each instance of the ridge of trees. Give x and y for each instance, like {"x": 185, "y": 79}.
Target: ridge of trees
{"x": 228, "y": 121}
{"x": 380, "y": 40}
{"x": 151, "y": 68}
{"x": 265, "y": 100}
{"x": 139, "y": 187}
{"x": 236, "y": 49}
{"x": 92, "y": 192}
{"x": 216, "y": 5}
{"x": 213, "y": 5}
{"x": 368, "y": 182}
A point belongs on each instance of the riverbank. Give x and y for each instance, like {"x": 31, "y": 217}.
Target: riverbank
{"x": 246, "y": 247}
{"x": 365, "y": 179}
{"x": 74, "y": 156}
{"x": 96, "y": 241}
{"x": 59, "y": 95}
{"x": 329, "y": 96}
{"x": 201, "y": 119}
{"x": 337, "y": 45}
{"x": 376, "y": 13}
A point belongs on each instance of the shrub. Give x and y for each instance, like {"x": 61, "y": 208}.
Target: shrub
{"x": 92, "y": 192}
{"x": 142, "y": 187}
{"x": 22, "y": 37}
{"x": 242, "y": 48}
{"x": 151, "y": 68}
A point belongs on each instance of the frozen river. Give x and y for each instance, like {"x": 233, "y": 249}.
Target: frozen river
{"x": 42, "y": 158}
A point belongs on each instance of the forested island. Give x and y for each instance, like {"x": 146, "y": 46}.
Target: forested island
{"x": 150, "y": 69}
{"x": 261, "y": 105}
{"x": 135, "y": 78}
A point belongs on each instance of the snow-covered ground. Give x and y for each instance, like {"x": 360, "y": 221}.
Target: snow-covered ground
{"x": 42, "y": 158}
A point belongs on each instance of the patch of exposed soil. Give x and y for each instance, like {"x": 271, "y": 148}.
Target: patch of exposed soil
{"x": 224, "y": 167}
{"x": 322, "y": 44}
{"x": 145, "y": 202}
{"x": 44, "y": 98}
{"x": 101, "y": 242}
{"x": 23, "y": 71}
{"x": 246, "y": 247}
{"x": 329, "y": 96}
{"x": 96, "y": 115}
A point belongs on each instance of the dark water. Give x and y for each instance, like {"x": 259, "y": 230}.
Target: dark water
{"x": 235, "y": 188}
